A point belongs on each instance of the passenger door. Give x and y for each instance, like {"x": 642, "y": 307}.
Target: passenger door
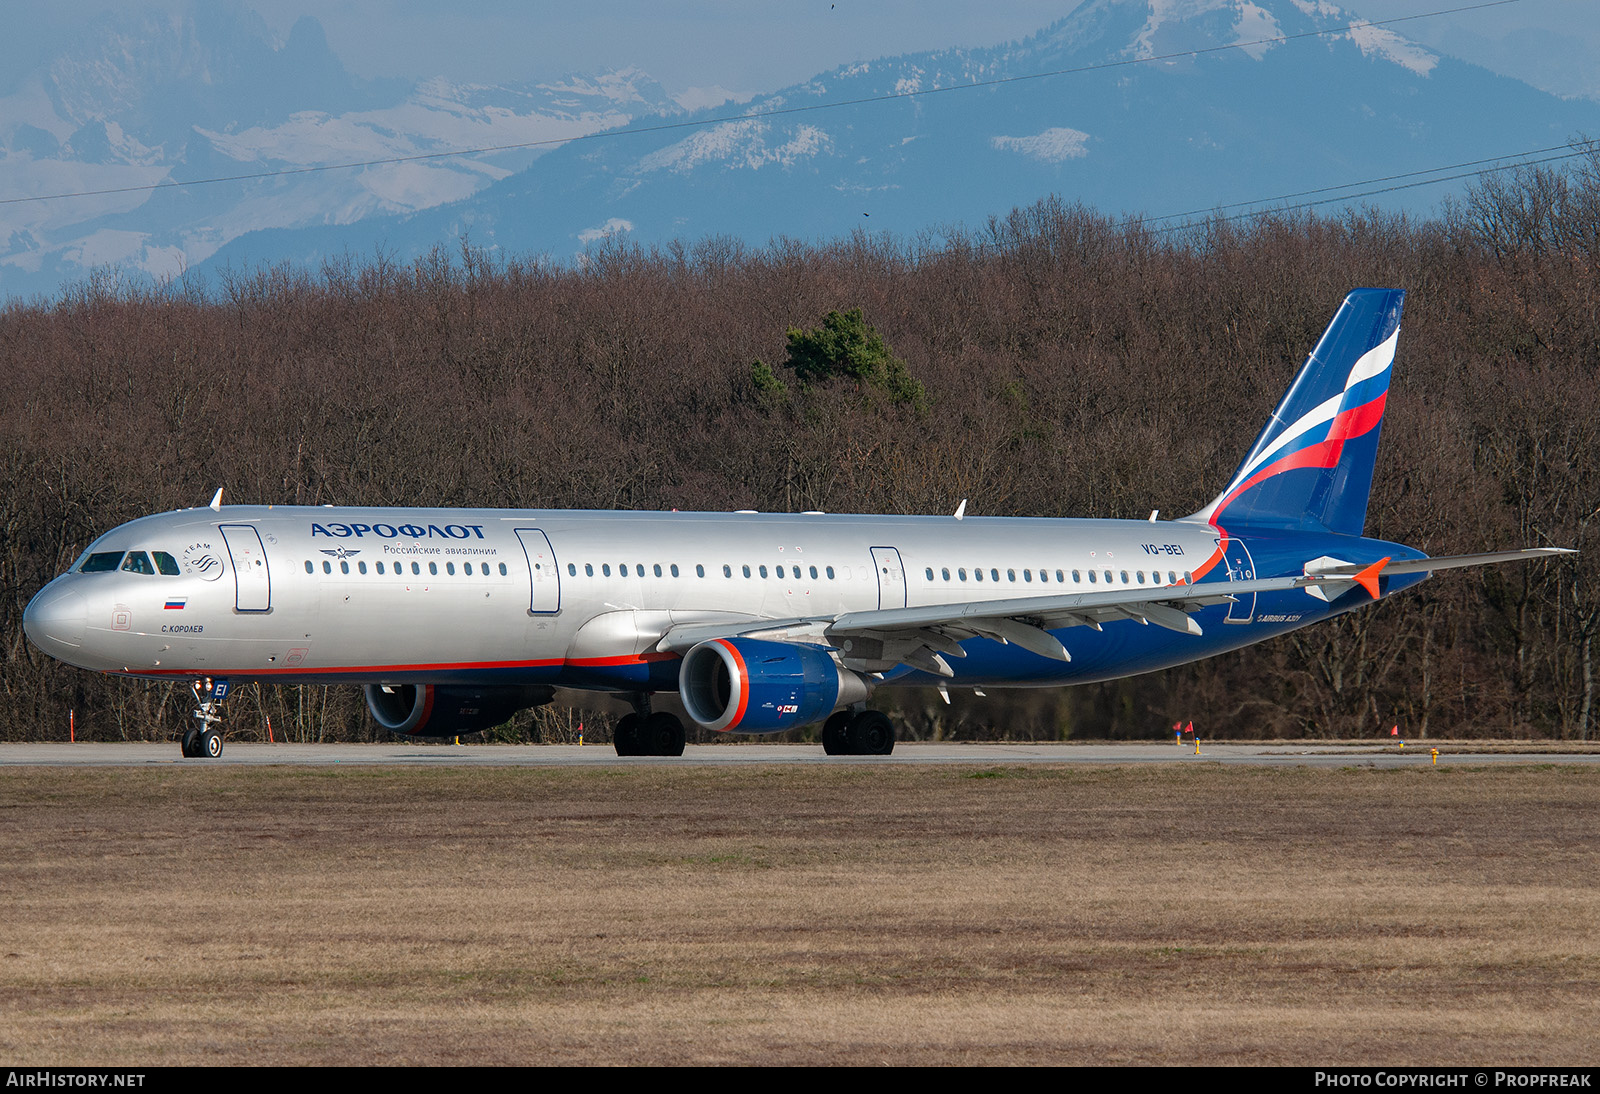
{"x": 891, "y": 577}
{"x": 543, "y": 573}
{"x": 252, "y": 578}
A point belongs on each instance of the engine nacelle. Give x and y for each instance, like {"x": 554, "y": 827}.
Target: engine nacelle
{"x": 432, "y": 710}
{"x": 753, "y": 686}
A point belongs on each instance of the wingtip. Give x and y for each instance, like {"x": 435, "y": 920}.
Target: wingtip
{"x": 1368, "y": 578}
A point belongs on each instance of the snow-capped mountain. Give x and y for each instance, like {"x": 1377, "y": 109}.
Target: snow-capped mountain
{"x": 1148, "y": 111}
{"x": 145, "y": 98}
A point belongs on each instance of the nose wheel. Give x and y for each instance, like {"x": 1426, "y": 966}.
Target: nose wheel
{"x": 205, "y": 739}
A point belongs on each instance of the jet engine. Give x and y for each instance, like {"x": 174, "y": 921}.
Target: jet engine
{"x": 433, "y": 710}
{"x": 754, "y": 686}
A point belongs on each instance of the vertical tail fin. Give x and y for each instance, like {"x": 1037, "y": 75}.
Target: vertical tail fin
{"x": 1311, "y": 468}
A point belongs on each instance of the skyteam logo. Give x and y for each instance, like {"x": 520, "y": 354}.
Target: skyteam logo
{"x": 202, "y": 561}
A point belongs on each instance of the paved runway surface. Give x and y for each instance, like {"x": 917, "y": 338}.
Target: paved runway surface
{"x": 1310, "y": 754}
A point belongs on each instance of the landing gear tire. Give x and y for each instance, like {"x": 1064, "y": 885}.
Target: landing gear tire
{"x": 835, "y": 733}
{"x": 661, "y": 735}
{"x": 191, "y": 743}
{"x": 871, "y": 734}
{"x": 626, "y": 736}
{"x": 210, "y": 744}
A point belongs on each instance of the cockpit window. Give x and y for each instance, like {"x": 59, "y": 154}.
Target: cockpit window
{"x": 137, "y": 562}
{"x": 166, "y": 563}
{"x": 101, "y": 562}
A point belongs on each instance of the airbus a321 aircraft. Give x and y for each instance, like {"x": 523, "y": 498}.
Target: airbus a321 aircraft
{"x": 455, "y": 619}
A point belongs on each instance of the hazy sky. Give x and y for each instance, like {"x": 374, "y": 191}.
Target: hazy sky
{"x": 748, "y": 46}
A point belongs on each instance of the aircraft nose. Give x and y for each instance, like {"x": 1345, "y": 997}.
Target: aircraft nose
{"x": 54, "y": 620}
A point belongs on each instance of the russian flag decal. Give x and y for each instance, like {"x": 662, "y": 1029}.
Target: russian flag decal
{"x": 176, "y": 603}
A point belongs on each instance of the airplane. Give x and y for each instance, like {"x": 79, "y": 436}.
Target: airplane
{"x": 453, "y": 620}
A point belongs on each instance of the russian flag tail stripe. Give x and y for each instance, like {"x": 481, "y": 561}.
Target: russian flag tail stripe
{"x": 1311, "y": 467}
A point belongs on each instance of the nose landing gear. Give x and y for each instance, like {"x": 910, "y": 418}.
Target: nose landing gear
{"x": 205, "y": 739}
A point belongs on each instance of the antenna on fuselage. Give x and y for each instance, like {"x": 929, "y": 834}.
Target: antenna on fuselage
{"x": 216, "y": 501}
{"x": 961, "y": 510}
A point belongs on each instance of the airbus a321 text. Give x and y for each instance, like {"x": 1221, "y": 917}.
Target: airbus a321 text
{"x": 455, "y": 619}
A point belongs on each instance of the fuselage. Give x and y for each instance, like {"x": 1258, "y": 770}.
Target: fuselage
{"x": 581, "y": 599}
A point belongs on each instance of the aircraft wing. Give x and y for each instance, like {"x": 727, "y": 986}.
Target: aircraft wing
{"x": 918, "y": 636}
{"x": 922, "y": 637}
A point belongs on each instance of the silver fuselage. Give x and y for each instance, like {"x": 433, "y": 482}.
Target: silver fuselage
{"x": 581, "y": 599}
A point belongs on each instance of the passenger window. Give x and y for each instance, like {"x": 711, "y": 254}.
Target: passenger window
{"x": 344, "y": 567}
{"x": 930, "y": 573}
{"x": 699, "y": 569}
{"x": 380, "y": 567}
{"x": 813, "y": 573}
{"x": 1027, "y": 575}
{"x": 1011, "y": 575}
{"x": 977, "y": 574}
{"x": 1063, "y": 580}
{"x": 1092, "y": 578}
{"x": 362, "y": 566}
{"x": 605, "y": 569}
{"x": 433, "y": 568}
{"x": 572, "y": 569}
{"x": 746, "y": 569}
{"x": 450, "y": 568}
{"x": 310, "y": 569}
{"x": 327, "y": 567}
{"x": 1108, "y": 577}
{"x": 1140, "y": 576}
{"x": 1076, "y": 577}
{"x": 945, "y": 573}
{"x": 727, "y": 571}
{"x": 658, "y": 569}
{"x": 166, "y": 563}
{"x": 138, "y": 562}
{"x": 829, "y": 572}
{"x": 763, "y": 571}
{"x": 674, "y": 570}
{"x": 1124, "y": 577}
{"x": 994, "y": 575}
{"x": 502, "y": 569}
{"x": 416, "y": 568}
{"x": 1188, "y": 578}
{"x": 962, "y": 573}
{"x": 100, "y": 563}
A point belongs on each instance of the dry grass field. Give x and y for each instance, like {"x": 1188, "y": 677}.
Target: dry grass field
{"x": 849, "y": 914}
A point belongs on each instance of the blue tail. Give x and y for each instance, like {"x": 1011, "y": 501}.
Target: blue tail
{"x": 1311, "y": 468}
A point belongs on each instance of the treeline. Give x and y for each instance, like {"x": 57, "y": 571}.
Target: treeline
{"x": 1068, "y": 365}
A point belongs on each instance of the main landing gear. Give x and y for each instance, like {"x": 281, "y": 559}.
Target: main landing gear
{"x": 858, "y": 733}
{"x": 205, "y": 739}
{"x": 642, "y": 733}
